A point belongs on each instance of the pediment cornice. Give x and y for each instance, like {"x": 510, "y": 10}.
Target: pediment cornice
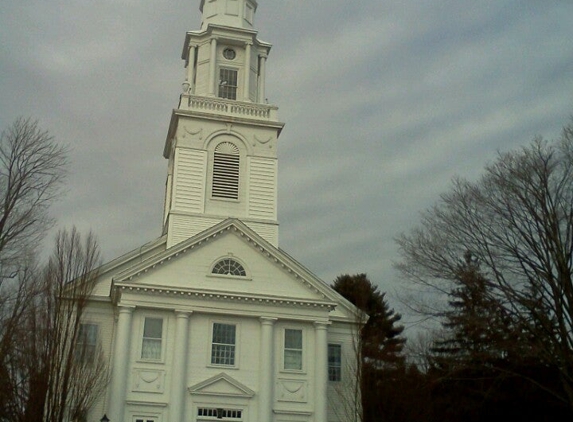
{"x": 234, "y": 387}
{"x": 128, "y": 278}
{"x": 119, "y": 288}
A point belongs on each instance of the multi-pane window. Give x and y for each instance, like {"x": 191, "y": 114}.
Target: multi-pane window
{"x": 208, "y": 413}
{"x": 228, "y": 84}
{"x": 144, "y": 419}
{"x": 152, "y": 337}
{"x": 334, "y": 362}
{"x": 293, "y": 349}
{"x": 229, "y": 266}
{"x": 223, "y": 346}
{"x": 87, "y": 342}
{"x": 226, "y": 171}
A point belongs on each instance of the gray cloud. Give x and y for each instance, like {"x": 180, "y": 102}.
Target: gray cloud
{"x": 384, "y": 103}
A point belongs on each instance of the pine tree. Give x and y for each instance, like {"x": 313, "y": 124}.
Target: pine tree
{"x": 380, "y": 336}
{"x": 379, "y": 344}
{"x": 478, "y": 329}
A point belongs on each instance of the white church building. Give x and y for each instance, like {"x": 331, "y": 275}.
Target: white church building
{"x": 212, "y": 321}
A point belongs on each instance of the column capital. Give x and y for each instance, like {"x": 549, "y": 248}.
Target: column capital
{"x": 125, "y": 309}
{"x": 321, "y": 325}
{"x": 182, "y": 314}
{"x": 264, "y": 56}
{"x": 267, "y": 320}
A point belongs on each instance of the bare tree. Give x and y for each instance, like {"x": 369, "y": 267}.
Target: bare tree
{"x": 517, "y": 221}
{"x": 33, "y": 167}
{"x": 346, "y": 402}
{"x": 56, "y": 372}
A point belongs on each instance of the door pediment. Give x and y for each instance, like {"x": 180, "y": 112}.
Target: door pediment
{"x": 222, "y": 385}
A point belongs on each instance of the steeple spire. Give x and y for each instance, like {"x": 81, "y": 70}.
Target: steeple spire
{"x": 234, "y": 13}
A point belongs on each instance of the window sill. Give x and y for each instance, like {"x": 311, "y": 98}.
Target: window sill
{"x": 213, "y": 365}
{"x": 151, "y": 361}
{"x": 229, "y": 277}
{"x": 293, "y": 371}
{"x": 232, "y": 200}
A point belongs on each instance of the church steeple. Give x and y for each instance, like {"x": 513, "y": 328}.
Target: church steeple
{"x": 222, "y": 139}
{"x": 225, "y": 58}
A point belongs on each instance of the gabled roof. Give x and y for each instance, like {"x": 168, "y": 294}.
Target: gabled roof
{"x": 138, "y": 267}
{"x": 151, "y": 248}
{"x": 221, "y": 385}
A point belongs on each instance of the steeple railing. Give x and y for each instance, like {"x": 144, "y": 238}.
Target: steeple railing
{"x": 221, "y": 106}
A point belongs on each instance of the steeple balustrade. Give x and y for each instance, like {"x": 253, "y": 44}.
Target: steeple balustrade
{"x": 228, "y": 107}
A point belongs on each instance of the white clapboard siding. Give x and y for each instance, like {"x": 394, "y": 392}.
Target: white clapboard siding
{"x": 191, "y": 169}
{"x": 262, "y": 188}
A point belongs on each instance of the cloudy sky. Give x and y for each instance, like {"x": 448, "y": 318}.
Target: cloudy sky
{"x": 384, "y": 102}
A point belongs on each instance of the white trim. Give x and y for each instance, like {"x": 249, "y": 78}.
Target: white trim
{"x": 164, "y": 327}
{"x": 236, "y": 357}
{"x": 303, "y": 351}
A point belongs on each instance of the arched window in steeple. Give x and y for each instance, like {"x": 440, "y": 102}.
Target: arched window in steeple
{"x": 228, "y": 266}
{"x": 225, "y": 171}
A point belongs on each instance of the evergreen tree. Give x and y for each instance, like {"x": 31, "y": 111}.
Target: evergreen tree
{"x": 478, "y": 328}
{"x": 380, "y": 336}
{"x": 378, "y": 346}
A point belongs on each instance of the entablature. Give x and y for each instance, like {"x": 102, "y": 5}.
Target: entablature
{"x": 118, "y": 289}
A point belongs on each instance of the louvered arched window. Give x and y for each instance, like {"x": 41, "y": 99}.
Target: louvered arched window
{"x": 225, "y": 171}
{"x": 228, "y": 266}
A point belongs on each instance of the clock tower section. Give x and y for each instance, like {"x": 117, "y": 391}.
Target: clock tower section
{"x": 221, "y": 144}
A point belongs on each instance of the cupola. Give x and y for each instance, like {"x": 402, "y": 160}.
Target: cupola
{"x": 234, "y": 13}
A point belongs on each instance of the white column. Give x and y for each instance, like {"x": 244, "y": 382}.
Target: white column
{"x": 190, "y": 77}
{"x": 119, "y": 374}
{"x": 262, "y": 66}
{"x": 213, "y": 68}
{"x": 247, "y": 79}
{"x": 321, "y": 371}
{"x": 267, "y": 370}
{"x": 179, "y": 367}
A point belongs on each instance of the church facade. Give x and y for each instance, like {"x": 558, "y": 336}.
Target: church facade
{"x": 212, "y": 321}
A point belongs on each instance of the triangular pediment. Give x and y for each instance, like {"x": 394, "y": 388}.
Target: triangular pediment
{"x": 272, "y": 276}
{"x": 221, "y": 385}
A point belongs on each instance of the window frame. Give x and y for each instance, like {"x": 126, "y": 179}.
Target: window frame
{"x": 225, "y": 172}
{"x": 213, "y": 407}
{"x": 302, "y": 368}
{"x": 87, "y": 356}
{"x": 235, "y": 364}
{"x": 334, "y": 365}
{"x": 141, "y": 416}
{"x": 232, "y": 258}
{"x": 161, "y": 359}
{"x": 223, "y": 90}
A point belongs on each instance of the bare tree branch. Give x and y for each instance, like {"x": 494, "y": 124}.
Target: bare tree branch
{"x": 517, "y": 221}
{"x": 32, "y": 169}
